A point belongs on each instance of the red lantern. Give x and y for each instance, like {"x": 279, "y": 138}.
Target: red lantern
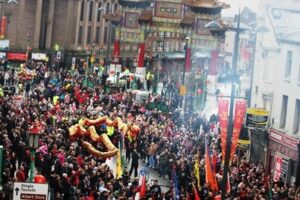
{"x": 199, "y": 91}
{"x": 39, "y": 179}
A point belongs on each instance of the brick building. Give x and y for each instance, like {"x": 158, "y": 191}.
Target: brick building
{"x": 72, "y": 24}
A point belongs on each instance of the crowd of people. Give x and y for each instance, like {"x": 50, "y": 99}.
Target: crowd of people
{"x": 167, "y": 142}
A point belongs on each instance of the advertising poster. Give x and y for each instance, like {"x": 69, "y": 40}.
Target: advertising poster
{"x": 257, "y": 118}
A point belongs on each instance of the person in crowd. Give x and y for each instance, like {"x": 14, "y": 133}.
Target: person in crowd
{"x": 58, "y": 99}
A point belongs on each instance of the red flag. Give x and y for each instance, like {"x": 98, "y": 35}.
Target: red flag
{"x": 211, "y": 179}
{"x": 143, "y": 187}
{"x": 196, "y": 196}
{"x": 223, "y": 119}
{"x": 240, "y": 110}
{"x": 141, "y": 55}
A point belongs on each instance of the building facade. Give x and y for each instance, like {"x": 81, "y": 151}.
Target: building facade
{"x": 276, "y": 86}
{"x": 74, "y": 25}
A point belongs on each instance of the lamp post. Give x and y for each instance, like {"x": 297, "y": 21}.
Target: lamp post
{"x": 33, "y": 144}
{"x": 215, "y": 26}
{"x": 183, "y": 73}
{"x": 109, "y": 11}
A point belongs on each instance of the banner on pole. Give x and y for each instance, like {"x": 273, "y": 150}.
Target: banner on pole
{"x": 240, "y": 110}
{"x": 223, "y": 120}
{"x": 3, "y": 27}
{"x": 141, "y": 55}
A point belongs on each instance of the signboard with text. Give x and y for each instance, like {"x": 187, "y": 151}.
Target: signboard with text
{"x": 283, "y": 139}
{"x": 16, "y": 56}
{"x": 257, "y": 118}
{"x": 30, "y": 191}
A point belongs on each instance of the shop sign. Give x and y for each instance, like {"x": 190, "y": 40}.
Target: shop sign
{"x": 283, "y": 139}
{"x": 16, "y": 56}
{"x": 2, "y": 55}
{"x": 257, "y": 118}
{"x": 4, "y": 44}
{"x": 39, "y": 56}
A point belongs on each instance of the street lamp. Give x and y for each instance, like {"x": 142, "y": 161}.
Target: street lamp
{"x": 33, "y": 144}
{"x": 184, "y": 68}
{"x": 213, "y": 26}
{"x": 108, "y": 10}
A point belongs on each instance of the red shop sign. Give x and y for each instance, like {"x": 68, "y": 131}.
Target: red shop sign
{"x": 283, "y": 139}
{"x": 16, "y": 56}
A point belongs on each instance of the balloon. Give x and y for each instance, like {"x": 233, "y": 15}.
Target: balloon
{"x": 199, "y": 91}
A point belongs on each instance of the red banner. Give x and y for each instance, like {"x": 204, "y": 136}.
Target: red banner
{"x": 116, "y": 49}
{"x": 240, "y": 110}
{"x": 214, "y": 62}
{"x": 3, "y": 27}
{"x": 223, "y": 120}
{"x": 188, "y": 60}
{"x": 141, "y": 55}
{"x": 16, "y": 56}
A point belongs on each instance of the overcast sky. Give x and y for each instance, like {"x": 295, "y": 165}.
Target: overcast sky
{"x": 252, "y": 4}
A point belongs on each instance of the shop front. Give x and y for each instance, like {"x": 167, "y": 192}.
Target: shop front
{"x": 283, "y": 157}
{"x": 14, "y": 59}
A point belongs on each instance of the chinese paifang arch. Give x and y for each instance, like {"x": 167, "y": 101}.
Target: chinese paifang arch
{"x": 130, "y": 131}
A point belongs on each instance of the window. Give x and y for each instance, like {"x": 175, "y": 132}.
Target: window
{"x": 99, "y": 12}
{"x": 296, "y": 125}
{"x": 283, "y": 111}
{"x": 105, "y": 34}
{"x": 115, "y": 7}
{"x": 91, "y": 11}
{"x": 80, "y": 33}
{"x": 89, "y": 33}
{"x": 107, "y": 8}
{"x": 98, "y": 34}
{"x": 82, "y": 11}
{"x": 288, "y": 67}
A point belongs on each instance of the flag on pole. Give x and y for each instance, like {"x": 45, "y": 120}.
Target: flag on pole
{"x": 240, "y": 110}
{"x": 211, "y": 179}
{"x": 197, "y": 171}
{"x": 223, "y": 120}
{"x": 196, "y": 195}
{"x": 176, "y": 192}
{"x": 119, "y": 170}
{"x": 143, "y": 187}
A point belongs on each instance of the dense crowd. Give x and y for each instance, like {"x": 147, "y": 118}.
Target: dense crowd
{"x": 168, "y": 142}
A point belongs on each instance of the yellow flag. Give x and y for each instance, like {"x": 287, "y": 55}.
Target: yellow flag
{"x": 119, "y": 171}
{"x": 197, "y": 172}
